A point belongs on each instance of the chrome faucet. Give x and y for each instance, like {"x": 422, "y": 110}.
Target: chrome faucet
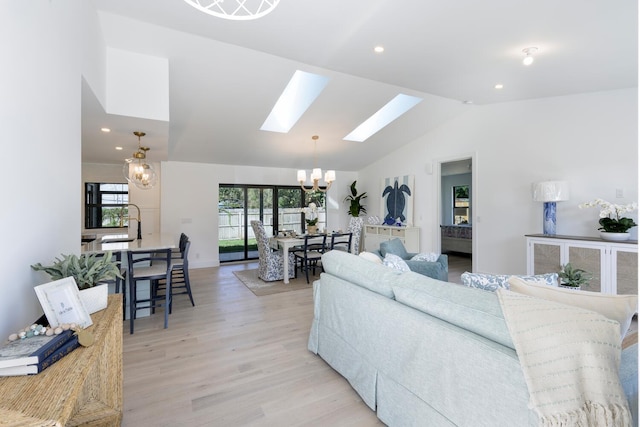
{"x": 138, "y": 220}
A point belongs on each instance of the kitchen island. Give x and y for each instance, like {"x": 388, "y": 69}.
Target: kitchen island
{"x": 123, "y": 243}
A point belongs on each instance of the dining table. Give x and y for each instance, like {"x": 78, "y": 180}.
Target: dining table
{"x": 286, "y": 243}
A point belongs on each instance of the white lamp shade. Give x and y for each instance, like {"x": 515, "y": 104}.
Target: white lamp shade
{"x": 330, "y": 176}
{"x": 302, "y": 176}
{"x": 551, "y": 191}
{"x": 316, "y": 174}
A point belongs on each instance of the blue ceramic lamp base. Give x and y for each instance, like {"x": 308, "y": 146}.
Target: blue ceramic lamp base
{"x": 549, "y": 218}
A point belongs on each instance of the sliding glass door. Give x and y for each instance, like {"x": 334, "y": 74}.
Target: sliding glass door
{"x": 278, "y": 207}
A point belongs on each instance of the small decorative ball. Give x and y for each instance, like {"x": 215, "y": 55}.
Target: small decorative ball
{"x": 22, "y": 335}
{"x": 49, "y": 332}
{"x": 58, "y": 330}
{"x": 65, "y": 326}
{"x": 13, "y": 337}
{"x": 29, "y": 334}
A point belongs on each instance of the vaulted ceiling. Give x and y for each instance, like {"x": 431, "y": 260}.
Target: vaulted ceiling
{"x": 225, "y": 76}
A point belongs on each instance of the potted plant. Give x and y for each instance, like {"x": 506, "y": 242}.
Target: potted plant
{"x": 355, "y": 209}
{"x": 88, "y": 271}
{"x": 311, "y": 218}
{"x": 573, "y": 278}
{"x": 612, "y": 226}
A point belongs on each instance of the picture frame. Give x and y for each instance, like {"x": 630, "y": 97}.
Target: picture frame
{"x": 61, "y": 303}
{"x": 396, "y": 200}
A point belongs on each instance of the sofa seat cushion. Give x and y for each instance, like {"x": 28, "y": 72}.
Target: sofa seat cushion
{"x": 467, "y": 308}
{"x": 620, "y": 308}
{"x": 491, "y": 282}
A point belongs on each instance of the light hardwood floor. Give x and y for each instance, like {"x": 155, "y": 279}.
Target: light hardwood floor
{"x": 234, "y": 360}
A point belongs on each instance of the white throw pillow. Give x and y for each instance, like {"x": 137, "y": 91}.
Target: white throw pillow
{"x": 620, "y": 308}
{"x": 491, "y": 282}
{"x": 370, "y": 257}
{"x": 395, "y": 262}
{"x": 431, "y": 257}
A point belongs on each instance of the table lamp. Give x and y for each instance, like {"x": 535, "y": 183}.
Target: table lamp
{"x": 550, "y": 192}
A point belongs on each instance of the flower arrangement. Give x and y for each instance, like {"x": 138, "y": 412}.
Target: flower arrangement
{"x": 610, "y": 219}
{"x": 311, "y": 214}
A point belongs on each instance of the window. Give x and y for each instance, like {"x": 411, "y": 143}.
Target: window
{"x": 106, "y": 205}
{"x": 461, "y": 204}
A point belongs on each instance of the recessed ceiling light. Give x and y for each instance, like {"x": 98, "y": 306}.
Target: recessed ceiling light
{"x": 378, "y": 49}
{"x": 468, "y": 102}
{"x": 301, "y": 91}
{"x": 388, "y": 113}
{"x": 529, "y": 52}
{"x": 105, "y": 130}
{"x": 499, "y": 86}
{"x": 119, "y": 148}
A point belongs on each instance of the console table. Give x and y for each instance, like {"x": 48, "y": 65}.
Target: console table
{"x": 614, "y": 265}
{"x": 376, "y": 234}
{"x": 84, "y": 387}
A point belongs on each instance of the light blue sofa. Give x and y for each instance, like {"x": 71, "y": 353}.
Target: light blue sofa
{"x": 441, "y": 357}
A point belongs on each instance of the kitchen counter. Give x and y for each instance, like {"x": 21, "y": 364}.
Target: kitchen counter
{"x": 111, "y": 242}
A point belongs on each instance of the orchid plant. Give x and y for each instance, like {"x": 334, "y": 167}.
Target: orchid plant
{"x": 610, "y": 215}
{"x": 311, "y": 214}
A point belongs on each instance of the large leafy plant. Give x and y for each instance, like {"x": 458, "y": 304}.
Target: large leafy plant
{"x": 355, "y": 207}
{"x": 87, "y": 270}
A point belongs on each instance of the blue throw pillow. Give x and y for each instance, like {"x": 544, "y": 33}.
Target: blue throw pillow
{"x": 491, "y": 282}
{"x": 394, "y": 247}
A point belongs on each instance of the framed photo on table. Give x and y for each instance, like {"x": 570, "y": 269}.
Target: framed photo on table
{"x": 61, "y": 303}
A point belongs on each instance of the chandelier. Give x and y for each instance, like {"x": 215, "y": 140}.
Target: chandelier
{"x": 316, "y": 174}
{"x": 137, "y": 171}
{"x": 236, "y": 10}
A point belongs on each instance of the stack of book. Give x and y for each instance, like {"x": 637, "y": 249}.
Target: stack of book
{"x": 33, "y": 355}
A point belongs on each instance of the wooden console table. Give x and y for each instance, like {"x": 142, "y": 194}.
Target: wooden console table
{"x": 84, "y": 387}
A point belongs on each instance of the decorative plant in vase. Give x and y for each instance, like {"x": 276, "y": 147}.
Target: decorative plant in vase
{"x": 355, "y": 210}
{"x": 574, "y": 278}
{"x": 311, "y": 218}
{"x": 88, "y": 271}
{"x": 612, "y": 225}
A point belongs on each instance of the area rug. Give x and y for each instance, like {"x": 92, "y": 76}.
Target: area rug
{"x": 260, "y": 287}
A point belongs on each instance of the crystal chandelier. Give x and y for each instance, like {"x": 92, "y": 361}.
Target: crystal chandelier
{"x": 237, "y": 10}
{"x": 137, "y": 171}
{"x": 316, "y": 174}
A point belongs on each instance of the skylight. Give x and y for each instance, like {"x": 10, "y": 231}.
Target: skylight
{"x": 391, "y": 111}
{"x": 301, "y": 91}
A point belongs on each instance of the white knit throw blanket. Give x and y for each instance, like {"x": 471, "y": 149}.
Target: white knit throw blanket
{"x": 570, "y": 358}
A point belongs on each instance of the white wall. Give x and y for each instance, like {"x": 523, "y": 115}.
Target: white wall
{"x": 189, "y": 201}
{"x": 44, "y": 46}
{"x": 589, "y": 140}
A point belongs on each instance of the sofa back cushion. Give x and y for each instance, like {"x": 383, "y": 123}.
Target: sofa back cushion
{"x": 471, "y": 309}
{"x": 359, "y": 271}
{"x": 395, "y": 247}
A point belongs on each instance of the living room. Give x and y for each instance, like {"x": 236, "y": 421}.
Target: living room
{"x": 589, "y": 139}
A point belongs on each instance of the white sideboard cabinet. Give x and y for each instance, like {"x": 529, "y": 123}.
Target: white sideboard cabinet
{"x": 376, "y": 234}
{"x": 614, "y": 265}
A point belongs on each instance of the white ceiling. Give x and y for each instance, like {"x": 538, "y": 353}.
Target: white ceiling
{"x": 226, "y": 75}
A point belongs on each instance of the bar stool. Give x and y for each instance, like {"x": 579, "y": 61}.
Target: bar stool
{"x": 152, "y": 266}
